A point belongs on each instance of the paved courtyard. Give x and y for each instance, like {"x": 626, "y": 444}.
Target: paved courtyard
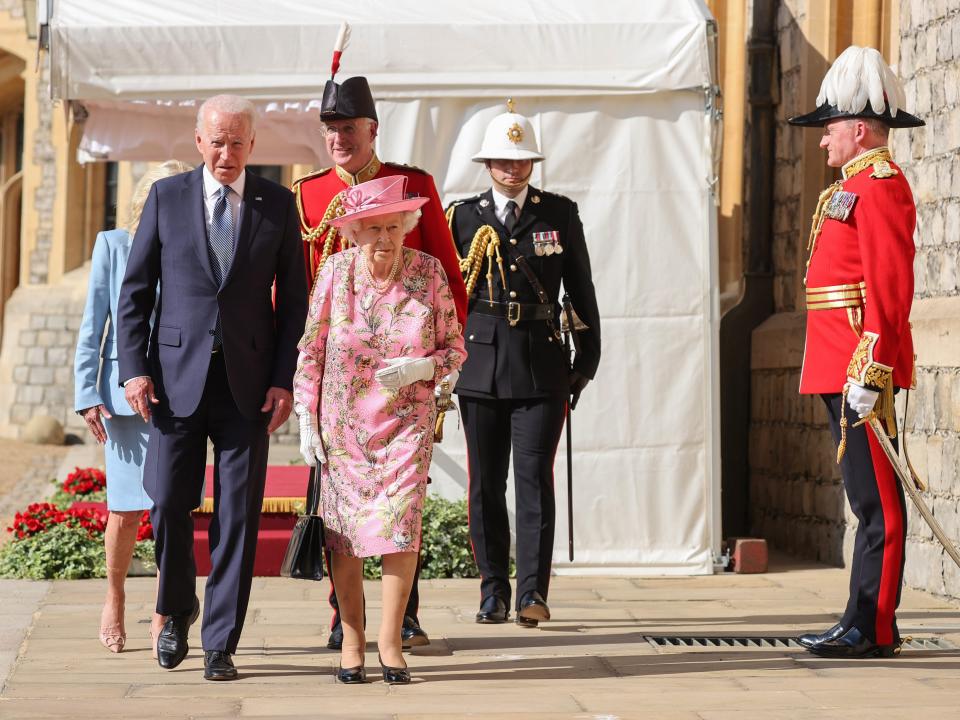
{"x": 593, "y": 661}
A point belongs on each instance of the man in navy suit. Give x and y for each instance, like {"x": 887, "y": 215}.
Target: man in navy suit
{"x": 218, "y": 364}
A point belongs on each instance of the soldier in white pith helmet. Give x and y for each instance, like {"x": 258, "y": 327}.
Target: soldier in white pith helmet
{"x": 517, "y": 245}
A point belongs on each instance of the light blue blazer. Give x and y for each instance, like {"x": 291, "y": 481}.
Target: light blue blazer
{"x": 95, "y": 367}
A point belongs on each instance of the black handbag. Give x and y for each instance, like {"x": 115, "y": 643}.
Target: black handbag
{"x": 304, "y": 557}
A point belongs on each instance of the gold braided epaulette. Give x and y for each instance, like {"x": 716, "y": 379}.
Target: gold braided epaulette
{"x": 878, "y": 158}
{"x": 310, "y": 176}
{"x": 406, "y": 167}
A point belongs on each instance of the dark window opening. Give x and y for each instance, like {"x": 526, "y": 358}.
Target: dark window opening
{"x": 110, "y": 195}
{"x": 268, "y": 172}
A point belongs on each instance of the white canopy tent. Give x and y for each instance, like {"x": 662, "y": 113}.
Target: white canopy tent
{"x": 621, "y": 95}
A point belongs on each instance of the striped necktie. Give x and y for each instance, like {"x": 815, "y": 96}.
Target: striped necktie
{"x": 221, "y": 247}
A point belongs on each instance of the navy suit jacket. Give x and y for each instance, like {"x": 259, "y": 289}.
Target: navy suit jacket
{"x": 260, "y": 333}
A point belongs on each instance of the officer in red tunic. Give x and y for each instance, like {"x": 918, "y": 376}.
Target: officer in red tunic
{"x": 349, "y": 118}
{"x": 859, "y": 288}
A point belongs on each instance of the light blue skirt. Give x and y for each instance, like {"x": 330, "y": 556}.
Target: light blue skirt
{"x": 126, "y": 451}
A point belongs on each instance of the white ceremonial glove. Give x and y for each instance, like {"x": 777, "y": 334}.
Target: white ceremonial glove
{"x": 311, "y": 448}
{"x": 860, "y": 399}
{"x": 402, "y": 371}
{"x": 451, "y": 378}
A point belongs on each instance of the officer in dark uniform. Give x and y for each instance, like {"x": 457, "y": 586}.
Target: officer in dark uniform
{"x": 517, "y": 245}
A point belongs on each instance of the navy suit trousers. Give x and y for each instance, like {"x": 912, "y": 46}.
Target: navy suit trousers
{"x": 173, "y": 477}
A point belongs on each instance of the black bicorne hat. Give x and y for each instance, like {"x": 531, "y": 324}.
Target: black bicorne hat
{"x": 347, "y": 100}
{"x": 827, "y": 112}
{"x": 860, "y": 84}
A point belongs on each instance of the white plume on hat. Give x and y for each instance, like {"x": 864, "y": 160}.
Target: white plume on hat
{"x": 857, "y": 76}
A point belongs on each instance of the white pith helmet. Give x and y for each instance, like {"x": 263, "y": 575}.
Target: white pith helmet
{"x": 509, "y": 136}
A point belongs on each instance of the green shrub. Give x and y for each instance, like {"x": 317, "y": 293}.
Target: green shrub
{"x": 145, "y": 550}
{"x": 60, "y": 553}
{"x": 446, "y": 548}
{"x": 61, "y": 498}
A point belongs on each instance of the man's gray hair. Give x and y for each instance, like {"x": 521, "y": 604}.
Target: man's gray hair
{"x": 230, "y": 105}
{"x": 409, "y": 220}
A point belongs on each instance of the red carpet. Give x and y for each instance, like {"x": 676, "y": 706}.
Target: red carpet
{"x": 283, "y": 499}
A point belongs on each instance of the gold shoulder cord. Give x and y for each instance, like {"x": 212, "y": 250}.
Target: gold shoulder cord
{"x": 819, "y": 215}
{"x": 312, "y": 235}
{"x": 485, "y": 242}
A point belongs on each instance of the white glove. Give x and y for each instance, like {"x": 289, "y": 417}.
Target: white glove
{"x": 451, "y": 378}
{"x": 402, "y": 371}
{"x": 860, "y": 399}
{"x": 311, "y": 446}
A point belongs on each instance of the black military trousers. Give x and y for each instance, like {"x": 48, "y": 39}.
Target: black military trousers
{"x": 413, "y": 602}
{"x": 531, "y": 428}
{"x": 876, "y": 498}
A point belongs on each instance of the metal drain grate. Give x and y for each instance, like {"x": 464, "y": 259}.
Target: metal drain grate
{"x": 772, "y": 641}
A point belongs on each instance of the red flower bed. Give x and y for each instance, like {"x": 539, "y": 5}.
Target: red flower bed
{"x": 145, "y": 531}
{"x": 40, "y": 517}
{"x": 84, "y": 481}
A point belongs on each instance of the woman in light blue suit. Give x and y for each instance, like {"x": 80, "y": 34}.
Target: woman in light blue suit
{"x": 99, "y": 399}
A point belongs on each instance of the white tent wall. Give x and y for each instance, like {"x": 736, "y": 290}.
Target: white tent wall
{"x": 632, "y": 145}
{"x": 142, "y": 49}
{"x": 645, "y": 432}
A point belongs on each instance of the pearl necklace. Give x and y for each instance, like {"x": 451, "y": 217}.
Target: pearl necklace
{"x": 380, "y": 287}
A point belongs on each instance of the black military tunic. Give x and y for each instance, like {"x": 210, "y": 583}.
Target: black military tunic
{"x": 514, "y": 386}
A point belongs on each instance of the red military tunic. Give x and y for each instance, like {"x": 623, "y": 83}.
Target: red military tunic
{"x": 316, "y": 191}
{"x": 860, "y": 280}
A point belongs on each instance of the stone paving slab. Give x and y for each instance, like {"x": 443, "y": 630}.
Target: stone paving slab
{"x": 591, "y": 662}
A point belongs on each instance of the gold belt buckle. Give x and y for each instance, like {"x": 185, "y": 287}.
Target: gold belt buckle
{"x": 513, "y": 313}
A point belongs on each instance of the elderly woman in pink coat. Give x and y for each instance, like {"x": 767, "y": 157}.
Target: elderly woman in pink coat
{"x": 381, "y": 332}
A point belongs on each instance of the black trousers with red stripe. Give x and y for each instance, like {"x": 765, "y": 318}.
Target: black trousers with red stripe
{"x": 876, "y": 498}
{"x": 531, "y": 428}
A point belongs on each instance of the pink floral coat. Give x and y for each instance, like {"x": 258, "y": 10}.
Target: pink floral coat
{"x": 378, "y": 441}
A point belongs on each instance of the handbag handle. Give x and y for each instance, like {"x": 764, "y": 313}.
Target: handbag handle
{"x": 313, "y": 491}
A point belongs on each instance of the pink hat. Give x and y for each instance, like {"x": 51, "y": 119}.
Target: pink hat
{"x": 381, "y": 196}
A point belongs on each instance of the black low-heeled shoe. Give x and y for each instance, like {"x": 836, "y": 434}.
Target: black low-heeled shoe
{"x": 352, "y": 676}
{"x": 394, "y": 675}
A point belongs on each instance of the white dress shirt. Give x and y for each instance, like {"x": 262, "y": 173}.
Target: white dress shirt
{"x": 500, "y": 203}
{"x": 211, "y": 191}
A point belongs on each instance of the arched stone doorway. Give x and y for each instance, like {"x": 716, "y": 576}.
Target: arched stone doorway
{"x": 11, "y": 173}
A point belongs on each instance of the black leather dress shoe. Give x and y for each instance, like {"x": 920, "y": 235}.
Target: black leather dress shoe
{"x": 335, "y": 641}
{"x": 412, "y": 635}
{"x": 532, "y": 609}
{"x": 352, "y": 676}
{"x": 172, "y": 645}
{"x": 394, "y": 675}
{"x": 853, "y": 644}
{"x": 218, "y": 665}
{"x": 808, "y": 640}
{"x": 493, "y": 611}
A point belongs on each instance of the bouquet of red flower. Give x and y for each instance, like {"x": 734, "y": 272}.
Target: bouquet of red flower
{"x": 39, "y": 517}
{"x": 85, "y": 481}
